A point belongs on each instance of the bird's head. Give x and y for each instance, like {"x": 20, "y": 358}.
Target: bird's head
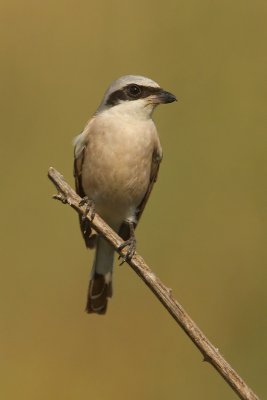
{"x": 134, "y": 95}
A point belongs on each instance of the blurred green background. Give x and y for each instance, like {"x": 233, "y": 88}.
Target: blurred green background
{"x": 204, "y": 229}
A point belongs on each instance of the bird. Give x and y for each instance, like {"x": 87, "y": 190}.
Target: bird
{"x": 116, "y": 162}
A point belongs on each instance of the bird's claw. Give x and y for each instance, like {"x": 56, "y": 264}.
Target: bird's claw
{"x": 131, "y": 244}
{"x": 90, "y": 208}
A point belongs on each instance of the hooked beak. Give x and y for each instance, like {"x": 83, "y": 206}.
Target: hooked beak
{"x": 163, "y": 97}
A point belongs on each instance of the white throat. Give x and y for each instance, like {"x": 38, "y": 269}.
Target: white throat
{"x": 138, "y": 110}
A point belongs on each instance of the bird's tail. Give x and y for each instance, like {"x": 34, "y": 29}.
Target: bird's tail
{"x": 100, "y": 285}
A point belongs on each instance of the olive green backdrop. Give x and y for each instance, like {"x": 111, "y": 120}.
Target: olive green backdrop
{"x": 204, "y": 229}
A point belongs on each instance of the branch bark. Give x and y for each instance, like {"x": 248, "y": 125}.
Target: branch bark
{"x": 211, "y": 354}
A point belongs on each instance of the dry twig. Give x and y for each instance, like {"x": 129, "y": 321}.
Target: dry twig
{"x": 211, "y": 354}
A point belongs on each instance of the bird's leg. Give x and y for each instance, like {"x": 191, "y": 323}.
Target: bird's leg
{"x": 90, "y": 207}
{"x": 130, "y": 243}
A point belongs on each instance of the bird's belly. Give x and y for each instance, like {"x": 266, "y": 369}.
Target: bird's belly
{"x": 117, "y": 175}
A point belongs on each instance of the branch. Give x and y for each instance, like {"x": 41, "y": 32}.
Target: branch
{"x": 211, "y": 354}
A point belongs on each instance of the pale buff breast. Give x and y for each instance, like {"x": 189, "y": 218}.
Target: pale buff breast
{"x": 117, "y": 165}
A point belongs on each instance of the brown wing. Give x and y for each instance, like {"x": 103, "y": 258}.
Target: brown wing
{"x": 156, "y": 159}
{"x": 77, "y": 172}
{"x": 155, "y": 163}
{"x": 87, "y": 233}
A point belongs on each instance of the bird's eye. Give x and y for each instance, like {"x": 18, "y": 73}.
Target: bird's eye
{"x": 134, "y": 91}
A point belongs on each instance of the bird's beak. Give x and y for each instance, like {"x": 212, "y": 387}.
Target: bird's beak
{"x": 163, "y": 97}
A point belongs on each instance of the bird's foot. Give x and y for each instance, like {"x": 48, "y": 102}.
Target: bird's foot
{"x": 131, "y": 244}
{"x": 90, "y": 208}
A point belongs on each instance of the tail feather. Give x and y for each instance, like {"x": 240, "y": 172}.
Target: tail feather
{"x": 98, "y": 294}
{"x": 100, "y": 285}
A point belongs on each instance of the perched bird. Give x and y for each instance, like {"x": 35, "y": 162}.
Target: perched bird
{"x": 117, "y": 157}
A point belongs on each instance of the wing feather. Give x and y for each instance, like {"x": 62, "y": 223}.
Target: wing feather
{"x": 156, "y": 159}
{"x": 88, "y": 235}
